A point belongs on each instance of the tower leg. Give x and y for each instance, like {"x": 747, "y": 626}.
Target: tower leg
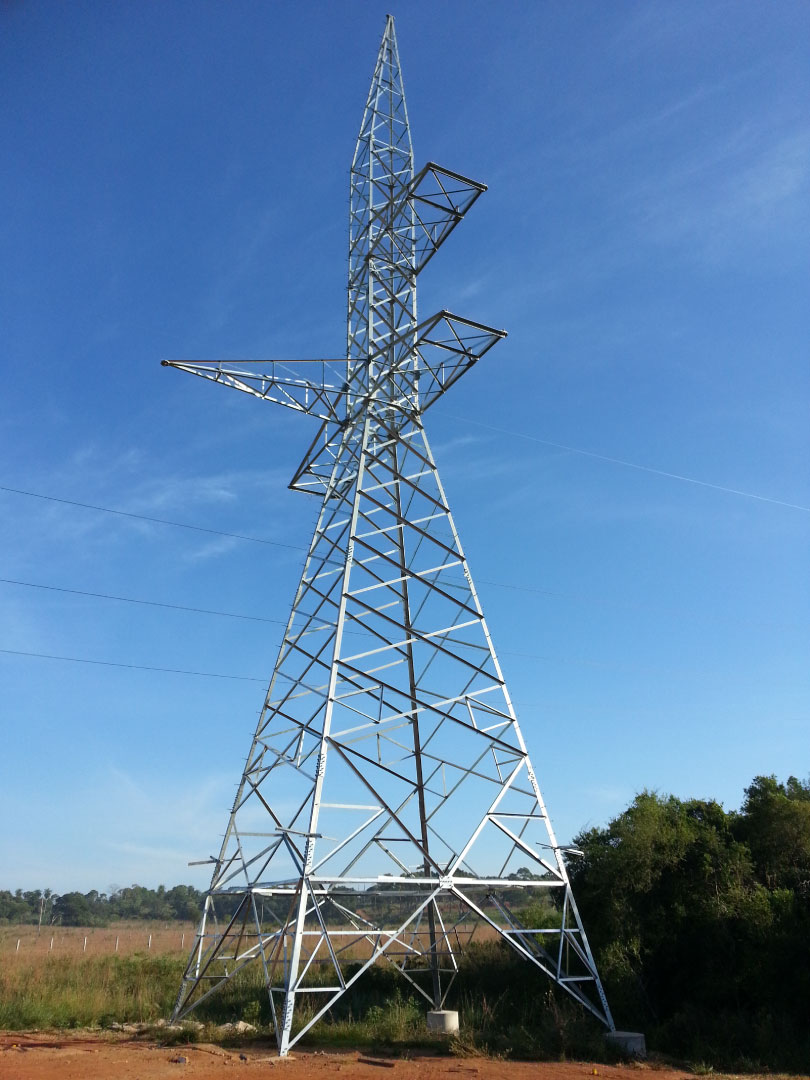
{"x": 283, "y": 1037}
{"x": 417, "y": 747}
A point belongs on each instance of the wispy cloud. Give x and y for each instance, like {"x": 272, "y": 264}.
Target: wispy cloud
{"x": 215, "y": 548}
{"x": 451, "y": 446}
{"x": 653, "y": 25}
{"x": 129, "y": 483}
{"x": 751, "y": 190}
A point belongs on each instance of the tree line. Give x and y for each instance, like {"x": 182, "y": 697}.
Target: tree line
{"x": 699, "y": 919}
{"x": 180, "y": 903}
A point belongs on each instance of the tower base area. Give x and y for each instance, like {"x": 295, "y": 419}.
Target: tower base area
{"x": 632, "y": 1043}
{"x": 443, "y": 1022}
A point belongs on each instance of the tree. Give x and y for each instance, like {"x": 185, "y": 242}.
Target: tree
{"x": 13, "y": 908}
{"x": 73, "y": 909}
{"x": 697, "y": 923}
{"x": 775, "y": 824}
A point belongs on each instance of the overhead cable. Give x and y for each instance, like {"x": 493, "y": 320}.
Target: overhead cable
{"x": 153, "y": 520}
{"x": 631, "y": 464}
{"x": 218, "y": 532}
{"x": 133, "y": 667}
{"x": 148, "y": 603}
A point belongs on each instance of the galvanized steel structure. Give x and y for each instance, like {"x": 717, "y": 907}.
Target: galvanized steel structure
{"x": 388, "y": 798}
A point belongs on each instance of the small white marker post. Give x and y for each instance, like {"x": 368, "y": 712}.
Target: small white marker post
{"x": 18, "y": 945}
{"x": 85, "y": 945}
{"x": 116, "y": 943}
{"x": 149, "y": 943}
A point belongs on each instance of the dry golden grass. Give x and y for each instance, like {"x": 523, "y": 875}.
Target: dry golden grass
{"x": 124, "y": 938}
{"x": 161, "y": 938}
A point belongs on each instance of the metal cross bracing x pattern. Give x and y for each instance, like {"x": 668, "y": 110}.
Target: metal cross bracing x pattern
{"x": 388, "y": 807}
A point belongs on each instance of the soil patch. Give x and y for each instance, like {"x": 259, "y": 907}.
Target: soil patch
{"x": 91, "y": 1056}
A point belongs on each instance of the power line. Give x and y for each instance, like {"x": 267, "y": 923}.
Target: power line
{"x": 582, "y": 661}
{"x": 157, "y": 603}
{"x": 175, "y": 671}
{"x": 133, "y": 667}
{"x": 257, "y": 618}
{"x": 253, "y": 618}
{"x": 149, "y": 603}
{"x": 531, "y": 589}
{"x": 153, "y": 520}
{"x": 215, "y": 532}
{"x": 238, "y": 678}
{"x": 632, "y": 464}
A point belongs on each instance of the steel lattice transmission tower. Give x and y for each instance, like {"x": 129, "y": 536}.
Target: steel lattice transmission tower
{"x": 388, "y": 793}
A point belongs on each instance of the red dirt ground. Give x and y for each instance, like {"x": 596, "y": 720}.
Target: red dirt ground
{"x": 90, "y": 1056}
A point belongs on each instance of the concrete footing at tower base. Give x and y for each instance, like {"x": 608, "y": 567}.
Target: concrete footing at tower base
{"x": 443, "y": 1022}
{"x": 629, "y": 1042}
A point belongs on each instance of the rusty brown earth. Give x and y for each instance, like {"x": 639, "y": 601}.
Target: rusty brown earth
{"x": 101, "y": 1056}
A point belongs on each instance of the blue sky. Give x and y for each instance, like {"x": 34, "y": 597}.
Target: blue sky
{"x": 174, "y": 183}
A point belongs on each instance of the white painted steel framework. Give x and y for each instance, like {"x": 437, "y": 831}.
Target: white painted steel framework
{"x": 388, "y": 799}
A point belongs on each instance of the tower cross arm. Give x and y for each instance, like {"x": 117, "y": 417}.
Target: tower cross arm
{"x": 440, "y": 199}
{"x": 315, "y": 387}
{"x": 420, "y": 218}
{"x": 448, "y": 346}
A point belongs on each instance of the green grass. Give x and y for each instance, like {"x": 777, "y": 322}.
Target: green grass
{"x": 505, "y": 1008}
{"x": 85, "y": 991}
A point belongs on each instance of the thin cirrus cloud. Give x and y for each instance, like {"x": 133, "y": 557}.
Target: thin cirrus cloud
{"x": 749, "y": 188}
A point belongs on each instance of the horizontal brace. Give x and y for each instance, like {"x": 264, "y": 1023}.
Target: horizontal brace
{"x": 347, "y": 806}
{"x": 412, "y": 640}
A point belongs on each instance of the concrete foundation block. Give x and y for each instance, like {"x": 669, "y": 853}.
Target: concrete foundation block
{"x": 443, "y": 1021}
{"x": 629, "y": 1042}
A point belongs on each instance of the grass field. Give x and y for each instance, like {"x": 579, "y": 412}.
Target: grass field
{"x": 124, "y": 938}
{"x": 62, "y": 977}
{"x": 504, "y": 1007}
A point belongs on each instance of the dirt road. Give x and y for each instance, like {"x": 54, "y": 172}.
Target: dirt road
{"x": 89, "y": 1056}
